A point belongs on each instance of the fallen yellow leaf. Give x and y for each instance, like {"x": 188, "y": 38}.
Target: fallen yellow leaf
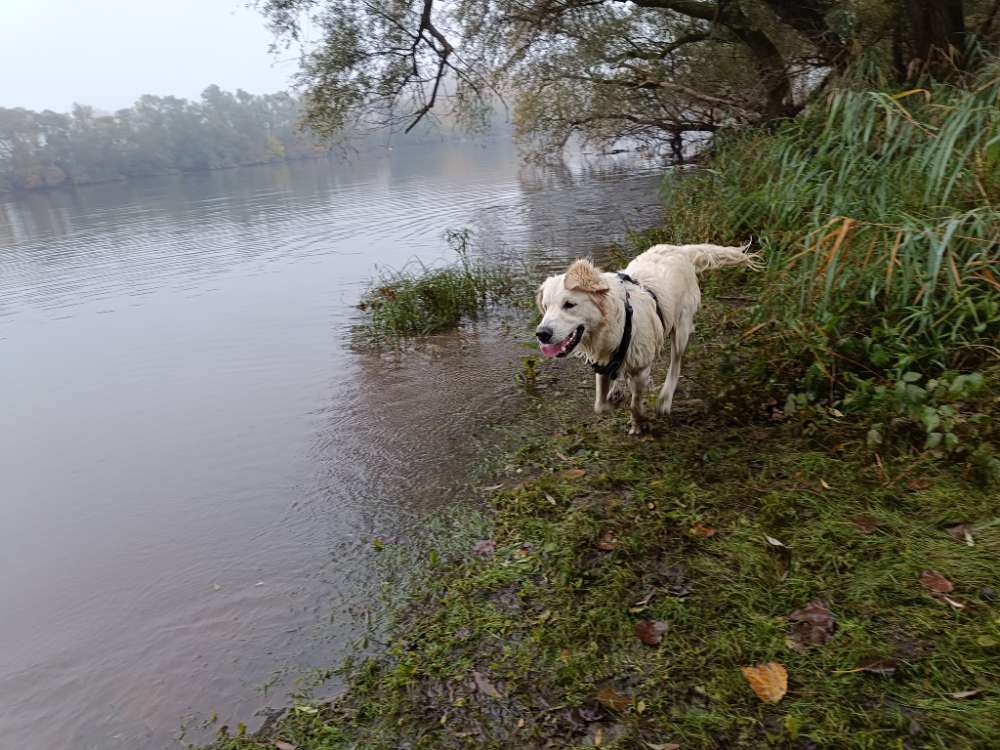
{"x": 613, "y": 699}
{"x": 769, "y": 681}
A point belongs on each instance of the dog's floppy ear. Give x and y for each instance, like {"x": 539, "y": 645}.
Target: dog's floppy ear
{"x": 538, "y": 298}
{"x": 583, "y": 276}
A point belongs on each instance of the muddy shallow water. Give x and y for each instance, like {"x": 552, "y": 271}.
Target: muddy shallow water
{"x": 194, "y": 460}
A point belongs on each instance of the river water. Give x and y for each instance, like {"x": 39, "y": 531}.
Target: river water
{"x": 193, "y": 459}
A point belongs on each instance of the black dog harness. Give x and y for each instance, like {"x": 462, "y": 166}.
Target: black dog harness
{"x": 659, "y": 313}
{"x": 612, "y": 368}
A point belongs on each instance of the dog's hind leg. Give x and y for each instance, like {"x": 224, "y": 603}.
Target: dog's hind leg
{"x": 638, "y": 383}
{"x": 679, "y": 341}
{"x": 601, "y": 387}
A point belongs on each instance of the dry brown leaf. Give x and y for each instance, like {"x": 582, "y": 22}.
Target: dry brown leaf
{"x": 931, "y": 579}
{"x": 484, "y": 686}
{"x": 814, "y": 625}
{"x": 769, "y": 681}
{"x": 651, "y": 632}
{"x": 607, "y": 542}
{"x": 282, "y": 745}
{"x": 823, "y": 483}
{"x": 700, "y": 529}
{"x": 866, "y": 524}
{"x": 612, "y": 699}
{"x": 573, "y": 473}
{"x": 565, "y": 655}
{"x": 775, "y": 542}
{"x": 921, "y": 483}
{"x": 484, "y": 547}
{"x": 962, "y": 533}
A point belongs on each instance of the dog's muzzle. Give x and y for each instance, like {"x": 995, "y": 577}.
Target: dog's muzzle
{"x": 560, "y": 348}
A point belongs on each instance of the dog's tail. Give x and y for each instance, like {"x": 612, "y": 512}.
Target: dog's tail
{"x": 710, "y": 257}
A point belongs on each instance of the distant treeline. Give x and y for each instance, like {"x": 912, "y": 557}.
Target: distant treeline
{"x": 157, "y": 135}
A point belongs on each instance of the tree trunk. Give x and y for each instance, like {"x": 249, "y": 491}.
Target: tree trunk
{"x": 936, "y": 35}
{"x": 766, "y": 56}
{"x": 808, "y": 17}
{"x": 773, "y": 73}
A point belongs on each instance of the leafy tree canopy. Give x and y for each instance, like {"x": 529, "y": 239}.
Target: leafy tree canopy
{"x": 603, "y": 69}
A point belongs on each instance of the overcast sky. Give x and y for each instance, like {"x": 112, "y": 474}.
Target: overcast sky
{"x": 109, "y": 52}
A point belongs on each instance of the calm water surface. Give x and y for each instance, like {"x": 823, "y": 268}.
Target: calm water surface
{"x": 193, "y": 460}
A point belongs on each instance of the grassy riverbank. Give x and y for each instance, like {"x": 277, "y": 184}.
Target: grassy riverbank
{"x": 529, "y": 640}
{"x": 837, "y": 444}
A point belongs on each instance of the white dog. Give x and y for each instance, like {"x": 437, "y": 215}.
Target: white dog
{"x": 619, "y": 321}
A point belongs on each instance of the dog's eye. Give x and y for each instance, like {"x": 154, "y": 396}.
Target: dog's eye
{"x": 568, "y": 305}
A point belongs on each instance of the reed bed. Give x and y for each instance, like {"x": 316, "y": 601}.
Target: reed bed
{"x": 879, "y": 212}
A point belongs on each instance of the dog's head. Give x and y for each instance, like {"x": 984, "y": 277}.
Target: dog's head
{"x": 573, "y": 305}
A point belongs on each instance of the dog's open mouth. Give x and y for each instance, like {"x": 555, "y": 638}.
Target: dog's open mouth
{"x": 565, "y": 346}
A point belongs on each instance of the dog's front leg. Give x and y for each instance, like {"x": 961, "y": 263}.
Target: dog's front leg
{"x": 602, "y": 385}
{"x": 638, "y": 383}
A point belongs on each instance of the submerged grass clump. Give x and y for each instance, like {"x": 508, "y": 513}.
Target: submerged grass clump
{"x": 420, "y": 300}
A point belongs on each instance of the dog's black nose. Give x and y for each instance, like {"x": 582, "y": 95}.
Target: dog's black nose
{"x": 544, "y": 335}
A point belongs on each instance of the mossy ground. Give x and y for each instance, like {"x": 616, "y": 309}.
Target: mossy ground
{"x": 545, "y": 623}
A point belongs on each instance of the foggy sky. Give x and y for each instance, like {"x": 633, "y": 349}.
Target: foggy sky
{"x": 108, "y": 52}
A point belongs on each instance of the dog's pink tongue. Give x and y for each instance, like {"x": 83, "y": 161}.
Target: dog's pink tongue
{"x": 551, "y": 350}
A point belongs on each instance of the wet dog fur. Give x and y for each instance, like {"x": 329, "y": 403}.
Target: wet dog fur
{"x": 583, "y": 313}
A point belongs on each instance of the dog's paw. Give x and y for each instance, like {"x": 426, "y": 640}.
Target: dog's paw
{"x": 617, "y": 395}
{"x": 603, "y": 407}
{"x": 638, "y": 427}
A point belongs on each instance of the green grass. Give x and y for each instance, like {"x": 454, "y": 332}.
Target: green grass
{"x": 419, "y": 300}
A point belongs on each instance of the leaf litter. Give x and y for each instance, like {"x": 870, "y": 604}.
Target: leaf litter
{"x": 700, "y": 529}
{"x": 613, "y": 699}
{"x": 962, "y": 533}
{"x": 768, "y": 681}
{"x": 484, "y": 547}
{"x": 931, "y": 579}
{"x": 484, "y": 686}
{"x": 813, "y": 625}
{"x": 651, "y": 632}
{"x": 866, "y": 524}
{"x": 607, "y": 541}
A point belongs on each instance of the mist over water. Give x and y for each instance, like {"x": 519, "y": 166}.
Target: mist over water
{"x": 194, "y": 460}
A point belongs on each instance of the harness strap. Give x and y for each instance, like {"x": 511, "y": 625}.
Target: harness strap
{"x": 612, "y": 368}
{"x": 659, "y": 313}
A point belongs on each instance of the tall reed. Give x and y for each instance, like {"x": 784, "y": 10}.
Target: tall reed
{"x": 879, "y": 212}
